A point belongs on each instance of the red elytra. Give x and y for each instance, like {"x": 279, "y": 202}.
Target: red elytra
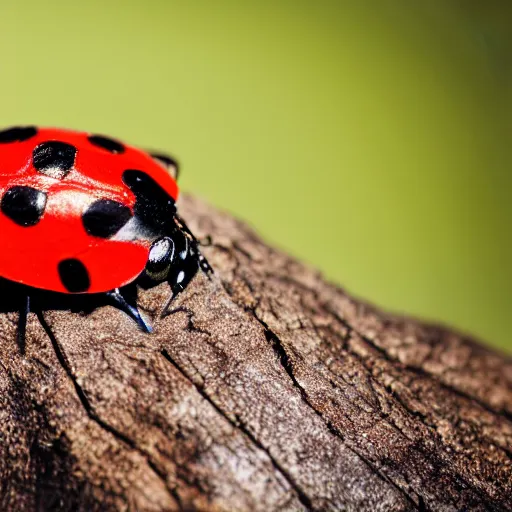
{"x": 31, "y": 254}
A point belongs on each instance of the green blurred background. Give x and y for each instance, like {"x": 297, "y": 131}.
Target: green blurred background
{"x": 369, "y": 138}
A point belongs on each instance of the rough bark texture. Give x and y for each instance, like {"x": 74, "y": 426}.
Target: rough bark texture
{"x": 264, "y": 389}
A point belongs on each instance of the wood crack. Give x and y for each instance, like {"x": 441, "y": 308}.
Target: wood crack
{"x": 414, "y": 368}
{"x": 302, "y": 497}
{"x": 284, "y": 359}
{"x": 94, "y": 416}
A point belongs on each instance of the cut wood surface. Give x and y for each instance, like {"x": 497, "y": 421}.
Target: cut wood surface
{"x": 263, "y": 389}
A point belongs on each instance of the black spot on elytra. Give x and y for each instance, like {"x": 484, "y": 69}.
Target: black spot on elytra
{"x": 54, "y": 158}
{"x": 104, "y": 218}
{"x": 168, "y": 162}
{"x": 111, "y": 145}
{"x": 17, "y": 134}
{"x": 153, "y": 205}
{"x": 23, "y": 205}
{"x": 74, "y": 275}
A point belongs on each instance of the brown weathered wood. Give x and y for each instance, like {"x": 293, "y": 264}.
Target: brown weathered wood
{"x": 264, "y": 389}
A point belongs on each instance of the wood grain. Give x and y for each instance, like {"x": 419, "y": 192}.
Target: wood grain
{"x": 265, "y": 388}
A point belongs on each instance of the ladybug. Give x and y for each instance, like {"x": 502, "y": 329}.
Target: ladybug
{"x": 86, "y": 215}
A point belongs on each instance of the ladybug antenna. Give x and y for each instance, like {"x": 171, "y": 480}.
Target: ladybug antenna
{"x": 22, "y": 324}
{"x": 128, "y": 305}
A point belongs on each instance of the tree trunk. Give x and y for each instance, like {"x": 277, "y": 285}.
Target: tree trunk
{"x": 263, "y": 389}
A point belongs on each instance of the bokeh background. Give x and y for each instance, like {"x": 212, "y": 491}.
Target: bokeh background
{"x": 371, "y": 138}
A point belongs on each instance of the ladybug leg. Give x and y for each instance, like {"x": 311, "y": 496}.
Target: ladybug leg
{"x": 174, "y": 257}
{"x": 22, "y": 324}
{"x": 202, "y": 261}
{"x": 127, "y": 302}
{"x": 184, "y": 267}
{"x": 205, "y": 242}
{"x": 186, "y": 261}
